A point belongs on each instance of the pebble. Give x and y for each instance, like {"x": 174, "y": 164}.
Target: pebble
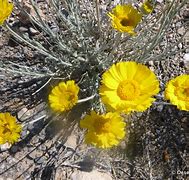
{"x": 23, "y": 29}
{"x": 160, "y": 107}
{"x": 178, "y": 24}
{"x": 33, "y": 31}
{"x": 71, "y": 142}
{"x": 151, "y": 63}
{"x": 181, "y": 31}
{"x": 180, "y": 45}
{"x": 22, "y": 112}
{"x": 159, "y": 1}
{"x": 186, "y": 57}
{"x": 55, "y": 29}
{"x": 4, "y": 147}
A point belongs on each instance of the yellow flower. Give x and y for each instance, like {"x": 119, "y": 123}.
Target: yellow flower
{"x": 64, "y": 96}
{"x": 5, "y": 10}
{"x": 177, "y": 91}
{"x": 147, "y": 7}
{"x": 125, "y": 18}
{"x": 104, "y": 131}
{"x": 128, "y": 86}
{"x": 9, "y": 129}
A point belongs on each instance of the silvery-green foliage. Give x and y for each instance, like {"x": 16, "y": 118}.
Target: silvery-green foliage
{"x": 80, "y": 36}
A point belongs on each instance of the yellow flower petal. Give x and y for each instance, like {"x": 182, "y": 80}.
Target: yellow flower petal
{"x": 9, "y": 129}
{"x": 104, "y": 131}
{"x": 177, "y": 91}
{"x": 125, "y": 18}
{"x": 136, "y": 84}
{"x": 5, "y": 10}
{"x": 64, "y": 96}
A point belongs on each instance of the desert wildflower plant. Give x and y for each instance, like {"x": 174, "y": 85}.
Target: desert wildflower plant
{"x": 88, "y": 73}
{"x": 103, "y": 131}
{"x": 128, "y": 86}
{"x": 9, "y": 129}
{"x": 177, "y": 92}
{"x": 5, "y": 10}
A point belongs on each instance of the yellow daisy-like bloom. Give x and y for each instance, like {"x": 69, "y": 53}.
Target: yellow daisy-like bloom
{"x": 147, "y": 7}
{"x": 125, "y": 18}
{"x": 128, "y": 86}
{"x": 64, "y": 96}
{"x": 9, "y": 129}
{"x": 177, "y": 91}
{"x": 5, "y": 10}
{"x": 104, "y": 131}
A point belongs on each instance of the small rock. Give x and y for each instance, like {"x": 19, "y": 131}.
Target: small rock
{"x": 33, "y": 31}
{"x": 181, "y": 31}
{"x": 186, "y": 58}
{"x": 159, "y": 1}
{"x": 55, "y": 29}
{"x": 180, "y": 45}
{"x": 160, "y": 107}
{"x": 23, "y": 29}
{"x": 24, "y": 113}
{"x": 151, "y": 63}
{"x": 152, "y": 68}
{"x": 75, "y": 54}
{"x": 178, "y": 24}
{"x": 186, "y": 61}
{"x": 71, "y": 142}
{"x": 4, "y": 147}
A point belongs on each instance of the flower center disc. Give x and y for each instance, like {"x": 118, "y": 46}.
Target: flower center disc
{"x": 6, "y": 129}
{"x": 124, "y": 22}
{"x": 67, "y": 98}
{"x": 128, "y": 90}
{"x": 101, "y": 126}
{"x": 186, "y": 91}
{"x": 183, "y": 93}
